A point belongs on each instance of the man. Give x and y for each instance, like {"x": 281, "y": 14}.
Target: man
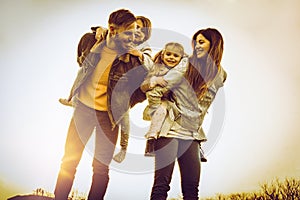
{"x": 108, "y": 74}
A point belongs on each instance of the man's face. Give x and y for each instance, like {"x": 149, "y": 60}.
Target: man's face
{"x": 125, "y": 37}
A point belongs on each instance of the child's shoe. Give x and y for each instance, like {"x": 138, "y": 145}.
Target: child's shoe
{"x": 202, "y": 156}
{"x": 66, "y": 102}
{"x": 150, "y": 151}
{"x": 119, "y": 157}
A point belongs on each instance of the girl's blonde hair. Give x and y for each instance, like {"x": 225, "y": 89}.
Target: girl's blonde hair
{"x": 176, "y": 47}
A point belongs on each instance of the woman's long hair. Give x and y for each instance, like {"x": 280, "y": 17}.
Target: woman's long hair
{"x": 202, "y": 71}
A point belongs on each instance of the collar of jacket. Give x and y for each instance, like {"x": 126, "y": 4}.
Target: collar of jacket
{"x": 125, "y": 58}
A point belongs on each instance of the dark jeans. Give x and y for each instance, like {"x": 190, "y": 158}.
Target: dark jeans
{"x": 82, "y": 125}
{"x": 187, "y": 154}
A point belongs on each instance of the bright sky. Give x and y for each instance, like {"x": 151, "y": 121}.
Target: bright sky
{"x": 260, "y": 132}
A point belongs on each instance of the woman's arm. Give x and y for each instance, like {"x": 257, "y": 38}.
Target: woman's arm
{"x": 150, "y": 82}
{"x": 206, "y": 100}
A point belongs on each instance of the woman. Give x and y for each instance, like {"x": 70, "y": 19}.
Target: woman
{"x": 181, "y": 133}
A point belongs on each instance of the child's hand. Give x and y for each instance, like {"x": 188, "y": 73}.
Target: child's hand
{"x": 136, "y": 52}
{"x": 100, "y": 33}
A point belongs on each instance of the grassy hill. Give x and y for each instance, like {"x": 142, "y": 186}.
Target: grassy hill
{"x": 30, "y": 197}
{"x": 287, "y": 189}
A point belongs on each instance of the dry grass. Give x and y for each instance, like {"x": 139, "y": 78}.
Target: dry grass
{"x": 288, "y": 189}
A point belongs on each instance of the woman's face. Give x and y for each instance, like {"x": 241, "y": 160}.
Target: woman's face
{"x": 170, "y": 58}
{"x": 139, "y": 35}
{"x": 202, "y": 46}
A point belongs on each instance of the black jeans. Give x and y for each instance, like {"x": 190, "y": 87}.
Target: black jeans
{"x": 187, "y": 154}
{"x": 82, "y": 125}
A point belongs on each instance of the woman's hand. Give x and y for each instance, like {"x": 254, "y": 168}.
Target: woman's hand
{"x": 158, "y": 81}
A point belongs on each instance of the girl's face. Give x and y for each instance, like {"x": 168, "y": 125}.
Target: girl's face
{"x": 139, "y": 35}
{"x": 170, "y": 58}
{"x": 202, "y": 46}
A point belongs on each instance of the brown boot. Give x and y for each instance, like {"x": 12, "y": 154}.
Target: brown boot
{"x": 150, "y": 150}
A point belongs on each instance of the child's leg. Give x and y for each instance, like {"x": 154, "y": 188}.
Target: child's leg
{"x": 119, "y": 157}
{"x": 157, "y": 121}
{"x": 155, "y": 126}
{"x": 125, "y": 127}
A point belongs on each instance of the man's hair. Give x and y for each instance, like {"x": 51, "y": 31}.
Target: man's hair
{"x": 121, "y": 17}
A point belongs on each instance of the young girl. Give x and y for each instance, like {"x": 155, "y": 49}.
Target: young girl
{"x": 172, "y": 61}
